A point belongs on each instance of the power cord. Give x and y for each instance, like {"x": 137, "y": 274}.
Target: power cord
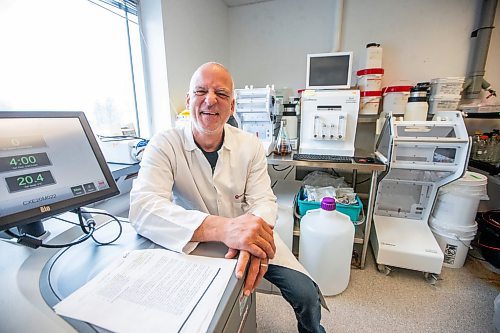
{"x": 87, "y": 224}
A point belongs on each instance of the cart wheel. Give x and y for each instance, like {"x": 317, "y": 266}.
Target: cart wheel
{"x": 384, "y": 269}
{"x": 431, "y": 278}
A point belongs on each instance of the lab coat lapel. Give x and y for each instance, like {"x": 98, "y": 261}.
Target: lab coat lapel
{"x": 200, "y": 171}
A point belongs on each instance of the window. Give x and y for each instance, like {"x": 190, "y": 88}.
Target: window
{"x": 73, "y": 55}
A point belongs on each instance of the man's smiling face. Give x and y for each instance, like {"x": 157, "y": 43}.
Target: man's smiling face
{"x": 210, "y": 99}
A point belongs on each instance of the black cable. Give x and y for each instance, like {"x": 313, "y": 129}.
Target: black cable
{"x": 119, "y": 226}
{"x": 118, "y": 163}
{"x": 335, "y": 173}
{"x": 285, "y": 168}
{"x": 35, "y": 243}
{"x": 364, "y": 181}
{"x": 88, "y": 227}
{"x": 68, "y": 221}
{"x": 119, "y": 137}
{"x": 288, "y": 173}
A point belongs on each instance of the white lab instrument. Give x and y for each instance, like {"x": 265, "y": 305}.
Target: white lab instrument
{"x": 122, "y": 151}
{"x": 328, "y": 122}
{"x": 254, "y": 112}
{"x": 422, "y": 156}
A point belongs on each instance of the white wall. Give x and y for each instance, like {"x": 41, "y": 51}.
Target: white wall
{"x": 155, "y": 68}
{"x": 421, "y": 39}
{"x": 269, "y": 40}
{"x": 196, "y": 31}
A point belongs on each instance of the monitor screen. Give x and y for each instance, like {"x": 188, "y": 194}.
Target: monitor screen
{"x": 329, "y": 70}
{"x": 50, "y": 163}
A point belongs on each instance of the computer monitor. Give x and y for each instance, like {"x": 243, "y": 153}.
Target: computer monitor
{"x": 329, "y": 70}
{"x": 50, "y": 163}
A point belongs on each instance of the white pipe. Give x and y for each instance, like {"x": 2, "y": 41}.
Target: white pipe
{"x": 337, "y": 28}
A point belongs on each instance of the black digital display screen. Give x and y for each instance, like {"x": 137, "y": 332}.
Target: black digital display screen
{"x": 18, "y": 162}
{"x": 49, "y": 160}
{"x": 29, "y": 181}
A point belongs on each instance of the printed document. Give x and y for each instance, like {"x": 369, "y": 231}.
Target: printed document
{"x": 153, "y": 290}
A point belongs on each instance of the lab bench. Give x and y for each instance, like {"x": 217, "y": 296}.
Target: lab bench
{"x": 362, "y": 234}
{"x": 34, "y": 280}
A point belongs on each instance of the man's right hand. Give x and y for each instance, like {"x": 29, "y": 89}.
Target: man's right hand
{"x": 250, "y": 233}
{"x": 246, "y": 232}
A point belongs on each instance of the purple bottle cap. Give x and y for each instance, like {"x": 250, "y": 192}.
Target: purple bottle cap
{"x": 328, "y": 203}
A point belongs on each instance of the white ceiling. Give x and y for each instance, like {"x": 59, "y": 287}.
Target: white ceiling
{"x": 236, "y": 3}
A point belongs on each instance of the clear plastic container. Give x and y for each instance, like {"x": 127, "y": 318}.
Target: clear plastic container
{"x": 325, "y": 247}
{"x": 443, "y": 103}
{"x": 447, "y": 86}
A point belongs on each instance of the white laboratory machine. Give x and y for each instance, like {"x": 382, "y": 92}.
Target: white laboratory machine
{"x": 421, "y": 157}
{"x": 254, "y": 113}
{"x": 328, "y": 122}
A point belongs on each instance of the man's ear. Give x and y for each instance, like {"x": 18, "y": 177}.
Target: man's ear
{"x": 232, "y": 107}
{"x": 188, "y": 99}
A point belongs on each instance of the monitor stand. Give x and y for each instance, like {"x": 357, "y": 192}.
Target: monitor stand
{"x": 34, "y": 229}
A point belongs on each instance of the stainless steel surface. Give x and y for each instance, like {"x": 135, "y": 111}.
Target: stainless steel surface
{"x": 360, "y": 167}
{"x": 369, "y": 216}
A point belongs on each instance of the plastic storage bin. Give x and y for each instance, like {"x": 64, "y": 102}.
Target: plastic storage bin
{"x": 443, "y": 103}
{"x": 447, "y": 86}
{"x": 352, "y": 211}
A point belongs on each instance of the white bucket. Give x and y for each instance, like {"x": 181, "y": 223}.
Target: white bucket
{"x": 457, "y": 202}
{"x": 370, "y": 79}
{"x": 454, "y": 244}
{"x": 369, "y": 102}
{"x": 395, "y": 99}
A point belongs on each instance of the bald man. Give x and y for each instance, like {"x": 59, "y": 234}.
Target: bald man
{"x": 208, "y": 182}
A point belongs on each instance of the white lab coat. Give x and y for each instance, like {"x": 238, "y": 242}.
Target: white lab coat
{"x": 176, "y": 190}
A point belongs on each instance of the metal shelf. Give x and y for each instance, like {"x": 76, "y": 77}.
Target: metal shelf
{"x": 362, "y": 231}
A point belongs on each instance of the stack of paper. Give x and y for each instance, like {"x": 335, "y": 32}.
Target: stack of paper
{"x": 152, "y": 291}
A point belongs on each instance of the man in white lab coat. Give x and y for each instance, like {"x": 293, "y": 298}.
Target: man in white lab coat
{"x": 208, "y": 181}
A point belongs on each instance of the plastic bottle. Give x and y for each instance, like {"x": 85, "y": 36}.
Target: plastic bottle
{"x": 373, "y": 56}
{"x": 417, "y": 107}
{"x": 482, "y": 147}
{"x": 325, "y": 247}
{"x": 475, "y": 144}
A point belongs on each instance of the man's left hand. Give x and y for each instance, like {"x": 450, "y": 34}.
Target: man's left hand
{"x": 256, "y": 269}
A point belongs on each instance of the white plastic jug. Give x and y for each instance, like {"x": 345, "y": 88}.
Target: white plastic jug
{"x": 325, "y": 247}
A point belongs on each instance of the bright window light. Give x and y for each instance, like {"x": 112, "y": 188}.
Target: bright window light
{"x": 72, "y": 55}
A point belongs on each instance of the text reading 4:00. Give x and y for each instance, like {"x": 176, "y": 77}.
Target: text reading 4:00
{"x": 18, "y": 162}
